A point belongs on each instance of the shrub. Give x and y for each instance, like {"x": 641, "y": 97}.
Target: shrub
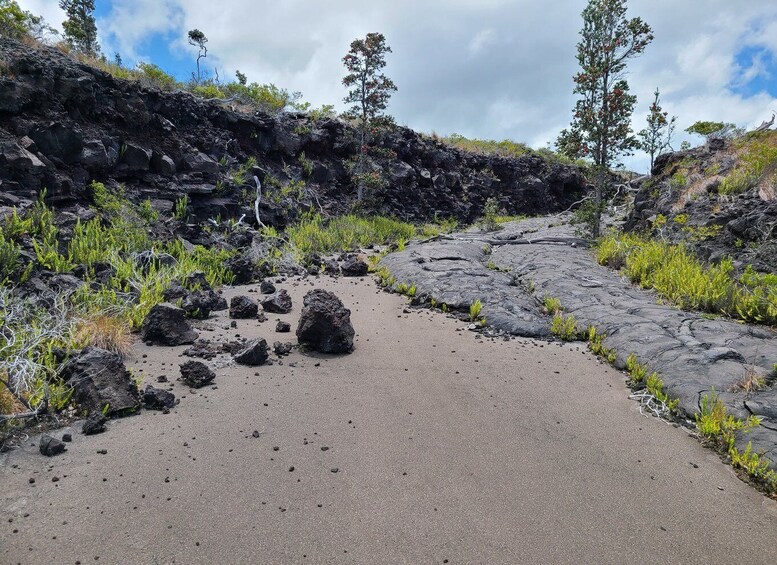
{"x": 552, "y": 305}
{"x": 475, "y": 309}
{"x": 29, "y": 336}
{"x": 596, "y": 343}
{"x": 9, "y": 258}
{"x": 104, "y": 331}
{"x": 564, "y": 327}
{"x": 181, "y": 209}
{"x": 151, "y": 75}
{"x": 488, "y": 222}
{"x": 677, "y": 275}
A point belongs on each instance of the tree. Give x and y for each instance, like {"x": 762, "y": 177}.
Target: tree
{"x": 657, "y": 137}
{"x": 601, "y": 126}
{"x": 16, "y": 23}
{"x": 712, "y": 130}
{"x": 198, "y": 39}
{"x": 80, "y": 27}
{"x": 370, "y": 90}
{"x": 13, "y": 21}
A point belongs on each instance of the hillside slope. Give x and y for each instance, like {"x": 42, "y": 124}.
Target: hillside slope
{"x": 720, "y": 198}
{"x": 64, "y": 124}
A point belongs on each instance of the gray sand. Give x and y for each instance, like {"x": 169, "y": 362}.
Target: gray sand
{"x": 446, "y": 447}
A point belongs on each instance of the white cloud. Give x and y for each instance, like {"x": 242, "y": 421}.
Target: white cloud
{"x": 482, "y": 40}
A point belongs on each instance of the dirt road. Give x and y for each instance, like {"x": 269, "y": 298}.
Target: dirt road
{"x": 425, "y": 445}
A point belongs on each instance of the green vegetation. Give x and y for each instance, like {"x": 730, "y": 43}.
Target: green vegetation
{"x": 596, "y": 343}
{"x": 601, "y": 122}
{"x": 181, "y": 208}
{"x": 715, "y": 424}
{"x": 552, "y": 305}
{"x": 488, "y": 222}
{"x": 370, "y": 92}
{"x": 710, "y": 129}
{"x": 80, "y": 27}
{"x": 639, "y": 376}
{"x": 757, "y": 163}
{"x": 564, "y": 326}
{"x": 474, "y": 310}
{"x": 505, "y": 148}
{"x": 677, "y": 275}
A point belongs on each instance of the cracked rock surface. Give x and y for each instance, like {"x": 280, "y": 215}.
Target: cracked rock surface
{"x": 510, "y": 272}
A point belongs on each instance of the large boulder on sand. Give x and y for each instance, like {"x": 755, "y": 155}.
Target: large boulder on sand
{"x": 325, "y": 323}
{"x": 278, "y": 303}
{"x": 253, "y": 353}
{"x": 243, "y": 308}
{"x": 167, "y": 325}
{"x": 99, "y": 379}
{"x": 196, "y": 374}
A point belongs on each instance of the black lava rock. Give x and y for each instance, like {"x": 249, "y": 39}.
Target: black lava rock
{"x": 158, "y": 399}
{"x": 196, "y": 374}
{"x": 242, "y": 308}
{"x": 325, "y": 323}
{"x": 166, "y": 324}
{"x": 51, "y": 446}
{"x": 94, "y": 424}
{"x": 278, "y": 303}
{"x": 254, "y": 353}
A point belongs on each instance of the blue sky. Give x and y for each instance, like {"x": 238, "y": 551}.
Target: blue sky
{"x": 758, "y": 71}
{"x": 482, "y": 68}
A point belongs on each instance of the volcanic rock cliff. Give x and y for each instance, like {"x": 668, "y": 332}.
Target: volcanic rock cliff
{"x": 64, "y": 124}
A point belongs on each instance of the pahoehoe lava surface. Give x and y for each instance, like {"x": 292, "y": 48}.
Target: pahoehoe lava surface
{"x": 692, "y": 353}
{"x": 427, "y": 444}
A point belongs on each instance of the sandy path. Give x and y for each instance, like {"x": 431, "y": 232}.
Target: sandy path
{"x": 448, "y": 448}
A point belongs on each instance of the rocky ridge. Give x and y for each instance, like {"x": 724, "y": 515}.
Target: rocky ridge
{"x": 64, "y": 124}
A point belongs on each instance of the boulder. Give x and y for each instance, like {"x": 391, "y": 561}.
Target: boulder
{"x": 166, "y": 324}
{"x": 242, "y": 268}
{"x": 99, "y": 379}
{"x": 94, "y": 424}
{"x": 325, "y": 323}
{"x": 58, "y": 142}
{"x": 15, "y": 157}
{"x": 266, "y": 287}
{"x": 242, "y": 308}
{"x": 278, "y": 303}
{"x": 197, "y": 281}
{"x": 149, "y": 258}
{"x": 198, "y": 304}
{"x": 282, "y": 327}
{"x": 354, "y": 266}
{"x": 282, "y": 349}
{"x": 94, "y": 157}
{"x": 162, "y": 164}
{"x": 196, "y": 374}
{"x": 50, "y": 446}
{"x": 199, "y": 162}
{"x": 135, "y": 157}
{"x": 254, "y": 353}
{"x": 158, "y": 399}
{"x": 331, "y": 267}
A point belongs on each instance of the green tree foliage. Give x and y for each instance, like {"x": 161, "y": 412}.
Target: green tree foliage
{"x": 657, "y": 136}
{"x": 711, "y": 129}
{"x": 16, "y": 23}
{"x": 80, "y": 27}
{"x": 370, "y": 90}
{"x": 13, "y": 21}
{"x": 601, "y": 126}
{"x": 198, "y": 40}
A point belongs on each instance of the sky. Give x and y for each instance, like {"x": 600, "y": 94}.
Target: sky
{"x": 491, "y": 69}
